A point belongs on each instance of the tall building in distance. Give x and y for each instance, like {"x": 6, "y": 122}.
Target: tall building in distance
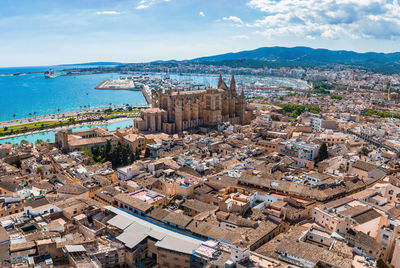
{"x": 174, "y": 112}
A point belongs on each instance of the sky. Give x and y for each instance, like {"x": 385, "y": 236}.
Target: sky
{"x": 49, "y": 32}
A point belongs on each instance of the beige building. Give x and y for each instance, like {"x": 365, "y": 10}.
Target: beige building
{"x": 70, "y": 141}
{"x": 333, "y": 138}
{"x": 135, "y": 142}
{"x": 174, "y": 112}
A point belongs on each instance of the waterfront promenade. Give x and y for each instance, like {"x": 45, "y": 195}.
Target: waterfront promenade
{"x": 94, "y": 123}
{"x": 59, "y": 116}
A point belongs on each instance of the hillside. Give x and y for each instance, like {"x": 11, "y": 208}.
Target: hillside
{"x": 305, "y": 56}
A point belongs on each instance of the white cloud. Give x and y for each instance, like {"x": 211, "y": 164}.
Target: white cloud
{"x": 143, "y": 4}
{"x": 201, "y": 13}
{"x": 330, "y": 19}
{"x": 240, "y": 37}
{"x": 108, "y": 12}
{"x": 234, "y": 19}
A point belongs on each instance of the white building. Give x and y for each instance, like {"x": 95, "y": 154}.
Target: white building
{"x": 128, "y": 172}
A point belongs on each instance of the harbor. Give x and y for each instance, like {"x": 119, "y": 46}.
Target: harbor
{"x": 32, "y": 95}
{"x": 253, "y": 86}
{"x": 94, "y": 92}
{"x": 127, "y": 83}
{"x": 122, "y": 83}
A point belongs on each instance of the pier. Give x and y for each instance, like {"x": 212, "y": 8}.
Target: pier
{"x": 118, "y": 84}
{"x": 146, "y": 91}
{"x": 126, "y": 84}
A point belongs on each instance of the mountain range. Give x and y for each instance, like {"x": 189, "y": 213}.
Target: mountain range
{"x": 306, "y": 56}
{"x": 275, "y": 57}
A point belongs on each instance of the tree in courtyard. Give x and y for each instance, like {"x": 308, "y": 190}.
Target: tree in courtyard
{"x": 108, "y": 150}
{"x": 132, "y": 157}
{"x": 17, "y": 163}
{"x": 323, "y": 152}
{"x": 275, "y": 117}
{"x": 364, "y": 150}
{"x": 147, "y": 152}
{"x": 125, "y": 155}
{"x": 138, "y": 152}
{"x": 40, "y": 171}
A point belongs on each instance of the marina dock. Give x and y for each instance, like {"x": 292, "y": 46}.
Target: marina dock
{"x": 126, "y": 83}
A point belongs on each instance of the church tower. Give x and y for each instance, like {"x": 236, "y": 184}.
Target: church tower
{"x": 221, "y": 83}
{"x": 232, "y": 85}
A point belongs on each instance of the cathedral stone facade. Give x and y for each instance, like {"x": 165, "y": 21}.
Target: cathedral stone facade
{"x": 173, "y": 112}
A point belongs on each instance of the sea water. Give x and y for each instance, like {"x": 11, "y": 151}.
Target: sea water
{"x": 32, "y": 93}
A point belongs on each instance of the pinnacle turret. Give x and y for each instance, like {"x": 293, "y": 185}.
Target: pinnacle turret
{"x": 221, "y": 83}
{"x": 232, "y": 85}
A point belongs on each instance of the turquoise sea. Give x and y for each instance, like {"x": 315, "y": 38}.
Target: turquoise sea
{"x": 29, "y": 94}
{"x": 25, "y": 94}
{"x": 49, "y": 135}
{"x": 21, "y": 95}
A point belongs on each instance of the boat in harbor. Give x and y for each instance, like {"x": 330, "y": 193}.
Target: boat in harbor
{"x": 49, "y": 74}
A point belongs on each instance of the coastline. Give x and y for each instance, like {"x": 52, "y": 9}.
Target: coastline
{"x": 18, "y": 74}
{"x": 146, "y": 92}
{"x": 57, "y": 116}
{"x": 94, "y": 123}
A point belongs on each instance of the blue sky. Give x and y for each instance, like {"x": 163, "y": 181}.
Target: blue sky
{"x": 45, "y": 32}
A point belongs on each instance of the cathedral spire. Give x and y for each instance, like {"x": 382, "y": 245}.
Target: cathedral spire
{"x": 232, "y": 86}
{"x": 220, "y": 81}
{"x": 242, "y": 93}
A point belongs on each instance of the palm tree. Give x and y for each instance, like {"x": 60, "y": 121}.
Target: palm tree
{"x": 14, "y": 115}
{"x": 30, "y": 114}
